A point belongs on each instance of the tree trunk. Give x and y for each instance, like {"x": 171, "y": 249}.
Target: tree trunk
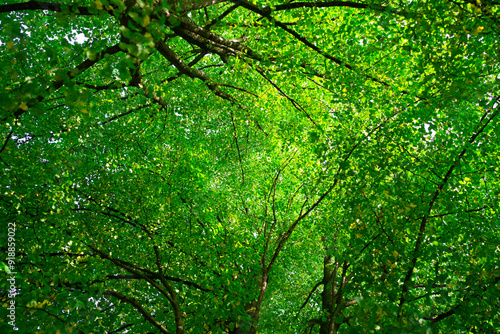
{"x": 331, "y": 297}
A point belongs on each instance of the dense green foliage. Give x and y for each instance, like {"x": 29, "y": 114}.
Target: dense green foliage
{"x": 211, "y": 166}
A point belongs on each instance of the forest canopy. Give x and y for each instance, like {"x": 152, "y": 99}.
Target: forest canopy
{"x": 250, "y": 166}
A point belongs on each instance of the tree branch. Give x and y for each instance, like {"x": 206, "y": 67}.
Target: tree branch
{"x": 292, "y": 227}
{"x": 43, "y": 5}
{"x": 439, "y": 189}
{"x": 69, "y": 75}
{"x": 183, "y": 68}
{"x": 350, "y": 4}
{"x": 7, "y": 139}
{"x": 137, "y": 305}
{"x": 266, "y": 13}
{"x": 310, "y": 294}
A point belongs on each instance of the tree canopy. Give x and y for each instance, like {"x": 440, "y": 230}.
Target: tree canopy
{"x": 251, "y": 166}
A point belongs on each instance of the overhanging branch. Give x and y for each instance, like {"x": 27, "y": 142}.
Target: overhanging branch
{"x": 137, "y": 305}
{"x": 50, "y": 6}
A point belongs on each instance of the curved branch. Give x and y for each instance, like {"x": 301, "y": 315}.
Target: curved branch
{"x": 295, "y": 104}
{"x": 183, "y": 68}
{"x": 235, "y": 132}
{"x": 288, "y": 233}
{"x": 190, "y": 5}
{"x": 349, "y": 4}
{"x": 223, "y": 15}
{"x": 455, "y": 308}
{"x": 122, "y": 328}
{"x": 294, "y": 5}
{"x": 310, "y": 294}
{"x": 155, "y": 276}
{"x": 266, "y": 13}
{"x": 7, "y": 140}
{"x": 55, "y": 85}
{"x": 109, "y": 120}
{"x": 43, "y": 5}
{"x": 137, "y": 305}
{"x": 433, "y": 200}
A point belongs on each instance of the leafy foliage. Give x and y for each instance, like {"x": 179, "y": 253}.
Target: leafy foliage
{"x": 210, "y": 166}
